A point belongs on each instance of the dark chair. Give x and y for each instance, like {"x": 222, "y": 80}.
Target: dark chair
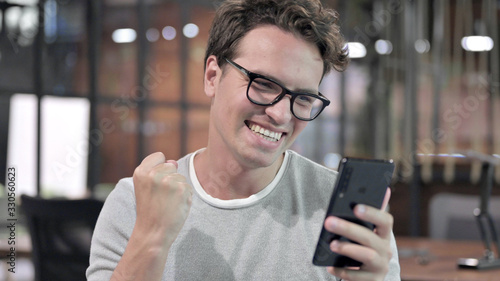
{"x": 61, "y": 231}
{"x": 451, "y": 216}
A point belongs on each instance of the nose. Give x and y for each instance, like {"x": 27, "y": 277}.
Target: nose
{"x": 280, "y": 112}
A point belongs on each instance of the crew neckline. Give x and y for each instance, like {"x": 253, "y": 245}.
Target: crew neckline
{"x": 234, "y": 203}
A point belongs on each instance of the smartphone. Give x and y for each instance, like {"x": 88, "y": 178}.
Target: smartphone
{"x": 360, "y": 181}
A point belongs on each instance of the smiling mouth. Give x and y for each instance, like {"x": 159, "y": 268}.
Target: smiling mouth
{"x": 265, "y": 133}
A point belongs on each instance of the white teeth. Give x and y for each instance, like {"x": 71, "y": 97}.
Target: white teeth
{"x": 266, "y": 134}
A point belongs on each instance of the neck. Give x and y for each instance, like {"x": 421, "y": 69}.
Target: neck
{"x": 223, "y": 177}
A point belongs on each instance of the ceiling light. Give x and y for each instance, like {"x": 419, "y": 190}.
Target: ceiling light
{"x": 383, "y": 47}
{"x": 356, "y": 50}
{"x": 477, "y": 43}
{"x": 169, "y": 33}
{"x": 152, "y": 35}
{"x": 190, "y": 30}
{"x": 124, "y": 35}
{"x": 422, "y": 46}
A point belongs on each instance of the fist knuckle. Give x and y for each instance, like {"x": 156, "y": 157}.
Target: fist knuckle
{"x": 344, "y": 274}
{"x": 166, "y": 181}
{"x": 175, "y": 178}
{"x": 174, "y": 186}
{"x": 372, "y": 258}
{"x": 137, "y": 170}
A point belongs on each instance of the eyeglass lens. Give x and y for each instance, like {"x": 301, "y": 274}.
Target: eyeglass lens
{"x": 265, "y": 92}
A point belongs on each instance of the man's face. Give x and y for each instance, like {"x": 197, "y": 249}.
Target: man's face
{"x": 236, "y": 123}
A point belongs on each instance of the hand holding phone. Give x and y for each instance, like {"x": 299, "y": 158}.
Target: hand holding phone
{"x": 360, "y": 181}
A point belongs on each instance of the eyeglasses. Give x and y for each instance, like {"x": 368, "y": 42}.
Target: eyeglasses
{"x": 265, "y": 91}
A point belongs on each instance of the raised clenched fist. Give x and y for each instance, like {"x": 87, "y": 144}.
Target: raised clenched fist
{"x": 163, "y": 198}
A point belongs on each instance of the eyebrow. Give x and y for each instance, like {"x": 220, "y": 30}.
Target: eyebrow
{"x": 274, "y": 79}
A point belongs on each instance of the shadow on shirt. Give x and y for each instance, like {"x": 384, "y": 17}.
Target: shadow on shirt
{"x": 201, "y": 256}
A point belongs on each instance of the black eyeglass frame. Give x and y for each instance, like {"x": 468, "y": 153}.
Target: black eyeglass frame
{"x": 252, "y": 76}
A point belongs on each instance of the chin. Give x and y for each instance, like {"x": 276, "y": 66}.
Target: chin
{"x": 261, "y": 159}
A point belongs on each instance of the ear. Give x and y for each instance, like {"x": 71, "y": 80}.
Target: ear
{"x": 212, "y": 76}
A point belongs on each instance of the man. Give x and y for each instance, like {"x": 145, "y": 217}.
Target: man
{"x": 245, "y": 207}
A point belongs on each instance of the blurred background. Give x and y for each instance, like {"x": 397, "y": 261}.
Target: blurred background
{"x": 89, "y": 88}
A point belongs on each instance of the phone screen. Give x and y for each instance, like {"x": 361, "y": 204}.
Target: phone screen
{"x": 360, "y": 181}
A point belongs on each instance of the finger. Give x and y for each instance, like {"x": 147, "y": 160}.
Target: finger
{"x": 350, "y": 274}
{"x": 165, "y": 168}
{"x": 368, "y": 240}
{"x": 189, "y": 193}
{"x": 350, "y": 230}
{"x": 154, "y": 167}
{"x": 369, "y": 257}
{"x": 173, "y": 162}
{"x": 165, "y": 174}
{"x": 381, "y": 219}
{"x": 386, "y": 199}
{"x": 152, "y": 160}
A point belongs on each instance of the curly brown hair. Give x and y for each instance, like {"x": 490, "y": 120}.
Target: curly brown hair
{"x": 305, "y": 18}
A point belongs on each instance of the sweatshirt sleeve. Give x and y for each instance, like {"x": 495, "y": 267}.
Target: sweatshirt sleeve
{"x": 113, "y": 229}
